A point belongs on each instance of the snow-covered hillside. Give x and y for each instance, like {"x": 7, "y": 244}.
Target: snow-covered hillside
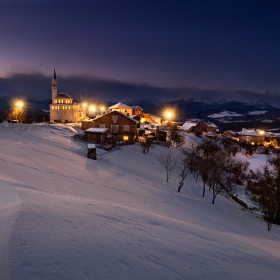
{"x": 64, "y": 216}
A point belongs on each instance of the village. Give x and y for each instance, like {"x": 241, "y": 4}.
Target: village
{"x": 139, "y": 140}
{"x": 123, "y": 124}
{"x": 242, "y": 166}
{"x": 120, "y": 124}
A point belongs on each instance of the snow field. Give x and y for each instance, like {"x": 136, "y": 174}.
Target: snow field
{"x": 117, "y": 218}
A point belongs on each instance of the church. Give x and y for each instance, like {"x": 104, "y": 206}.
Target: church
{"x": 63, "y": 109}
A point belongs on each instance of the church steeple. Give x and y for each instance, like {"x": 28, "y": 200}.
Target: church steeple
{"x": 54, "y": 86}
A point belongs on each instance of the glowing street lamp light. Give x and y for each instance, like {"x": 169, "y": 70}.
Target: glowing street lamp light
{"x": 102, "y": 108}
{"x": 18, "y": 111}
{"x": 19, "y": 104}
{"x": 168, "y": 115}
{"x": 92, "y": 108}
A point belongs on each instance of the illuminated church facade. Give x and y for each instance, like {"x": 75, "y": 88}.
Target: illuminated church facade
{"x": 63, "y": 109}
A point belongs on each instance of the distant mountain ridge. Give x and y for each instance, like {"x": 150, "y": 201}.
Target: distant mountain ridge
{"x": 232, "y": 111}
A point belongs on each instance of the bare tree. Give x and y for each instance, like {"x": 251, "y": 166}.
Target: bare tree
{"x": 17, "y": 113}
{"x": 4, "y": 114}
{"x": 176, "y": 137}
{"x": 208, "y": 147}
{"x": 183, "y": 172}
{"x": 146, "y": 145}
{"x": 190, "y": 155}
{"x": 269, "y": 192}
{"x": 167, "y": 161}
{"x": 225, "y": 174}
{"x": 229, "y": 146}
{"x": 204, "y": 169}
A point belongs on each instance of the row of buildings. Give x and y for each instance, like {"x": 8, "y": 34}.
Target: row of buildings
{"x": 124, "y": 122}
{"x": 250, "y": 136}
{"x": 118, "y": 121}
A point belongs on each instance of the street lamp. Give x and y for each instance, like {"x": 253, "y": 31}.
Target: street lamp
{"x": 91, "y": 110}
{"x": 19, "y": 112}
{"x": 102, "y": 108}
{"x": 19, "y": 104}
{"x": 168, "y": 115}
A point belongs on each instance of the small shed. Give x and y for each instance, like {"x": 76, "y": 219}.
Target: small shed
{"x": 96, "y": 134}
{"x": 91, "y": 151}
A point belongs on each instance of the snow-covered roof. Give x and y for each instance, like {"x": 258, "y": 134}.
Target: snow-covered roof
{"x": 128, "y": 117}
{"x": 120, "y": 106}
{"x": 251, "y": 132}
{"x": 211, "y": 124}
{"x": 136, "y": 107}
{"x": 187, "y": 125}
{"x": 97, "y": 129}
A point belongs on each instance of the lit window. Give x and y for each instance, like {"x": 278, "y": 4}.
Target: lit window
{"x": 69, "y": 107}
{"x": 125, "y": 138}
{"x": 126, "y": 128}
{"x": 52, "y": 107}
{"x": 55, "y": 101}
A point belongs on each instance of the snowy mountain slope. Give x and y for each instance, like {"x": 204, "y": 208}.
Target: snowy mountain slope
{"x": 117, "y": 218}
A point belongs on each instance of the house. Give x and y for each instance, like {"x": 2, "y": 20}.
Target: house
{"x": 206, "y": 127}
{"x": 137, "y": 110}
{"x": 188, "y": 126}
{"x": 117, "y": 124}
{"x": 252, "y": 136}
{"x": 123, "y": 108}
{"x": 63, "y": 109}
{"x": 231, "y": 135}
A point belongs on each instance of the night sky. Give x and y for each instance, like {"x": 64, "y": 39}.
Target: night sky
{"x": 223, "y": 45}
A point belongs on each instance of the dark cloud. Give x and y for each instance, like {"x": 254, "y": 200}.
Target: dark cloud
{"x": 85, "y": 87}
{"x": 229, "y": 44}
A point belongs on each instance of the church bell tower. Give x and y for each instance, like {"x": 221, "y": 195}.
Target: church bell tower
{"x": 54, "y": 86}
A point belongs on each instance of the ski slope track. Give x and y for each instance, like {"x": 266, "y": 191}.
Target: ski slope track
{"x": 64, "y": 216}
